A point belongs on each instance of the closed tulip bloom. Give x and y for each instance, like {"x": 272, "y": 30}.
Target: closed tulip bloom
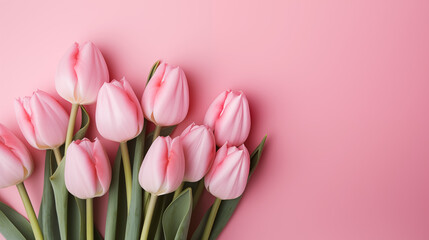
{"x": 199, "y": 149}
{"x": 80, "y": 74}
{"x": 229, "y": 117}
{"x": 163, "y": 167}
{"x": 118, "y": 115}
{"x": 87, "y": 172}
{"x": 15, "y": 161}
{"x": 165, "y": 100}
{"x": 42, "y": 120}
{"x": 227, "y": 178}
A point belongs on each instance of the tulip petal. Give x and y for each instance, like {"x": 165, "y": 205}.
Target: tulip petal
{"x": 49, "y": 119}
{"x": 80, "y": 175}
{"x": 175, "y": 167}
{"x": 220, "y": 156}
{"x": 172, "y": 99}
{"x": 214, "y": 110}
{"x": 199, "y": 149}
{"x": 103, "y": 169}
{"x": 24, "y": 121}
{"x": 17, "y": 148}
{"x": 12, "y": 171}
{"x": 233, "y": 124}
{"x": 116, "y": 114}
{"x": 91, "y": 71}
{"x": 152, "y": 171}
{"x": 151, "y": 90}
{"x": 66, "y": 78}
{"x": 231, "y": 177}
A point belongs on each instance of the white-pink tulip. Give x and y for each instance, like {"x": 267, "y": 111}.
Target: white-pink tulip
{"x": 42, "y": 120}
{"x": 16, "y": 163}
{"x": 87, "y": 173}
{"x": 165, "y": 99}
{"x": 118, "y": 115}
{"x": 80, "y": 74}
{"x": 199, "y": 148}
{"x": 228, "y": 175}
{"x": 163, "y": 166}
{"x": 229, "y": 117}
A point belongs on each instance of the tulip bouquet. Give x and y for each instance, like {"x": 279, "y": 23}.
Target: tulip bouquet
{"x": 155, "y": 181}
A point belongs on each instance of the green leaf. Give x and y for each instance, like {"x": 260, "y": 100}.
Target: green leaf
{"x": 135, "y": 216}
{"x": 117, "y": 205}
{"x": 84, "y": 125}
{"x": 165, "y": 131}
{"x": 61, "y": 195}
{"x": 47, "y": 214}
{"x": 13, "y": 225}
{"x": 227, "y": 207}
{"x": 156, "y": 231}
{"x": 61, "y": 198}
{"x": 177, "y": 216}
{"x": 76, "y": 218}
{"x": 152, "y": 71}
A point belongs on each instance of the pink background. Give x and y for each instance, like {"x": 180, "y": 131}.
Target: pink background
{"x": 340, "y": 88}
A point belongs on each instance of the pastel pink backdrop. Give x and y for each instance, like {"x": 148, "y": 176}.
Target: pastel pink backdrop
{"x": 340, "y": 87}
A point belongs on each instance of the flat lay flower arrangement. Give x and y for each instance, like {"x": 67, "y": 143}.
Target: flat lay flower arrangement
{"x": 155, "y": 181}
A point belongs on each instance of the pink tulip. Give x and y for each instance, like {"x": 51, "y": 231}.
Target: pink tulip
{"x": 199, "y": 149}
{"x": 80, "y": 74}
{"x": 15, "y": 161}
{"x": 163, "y": 167}
{"x": 87, "y": 172}
{"x": 166, "y": 97}
{"x": 229, "y": 117}
{"x": 118, "y": 115}
{"x": 42, "y": 120}
{"x": 227, "y": 177}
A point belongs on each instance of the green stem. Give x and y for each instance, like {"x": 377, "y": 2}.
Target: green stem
{"x": 146, "y": 201}
{"x": 198, "y": 192}
{"x": 127, "y": 171}
{"x": 148, "y": 217}
{"x": 57, "y": 154}
{"x": 178, "y": 191}
{"x": 211, "y": 219}
{"x": 70, "y": 129}
{"x": 30, "y": 211}
{"x": 89, "y": 219}
{"x": 156, "y": 132}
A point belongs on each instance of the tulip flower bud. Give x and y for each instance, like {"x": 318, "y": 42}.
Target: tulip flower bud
{"x": 163, "y": 167}
{"x": 227, "y": 178}
{"x": 80, "y": 74}
{"x": 87, "y": 173}
{"x": 199, "y": 149}
{"x": 15, "y": 161}
{"x": 229, "y": 117}
{"x": 118, "y": 115}
{"x": 42, "y": 120}
{"x": 165, "y": 100}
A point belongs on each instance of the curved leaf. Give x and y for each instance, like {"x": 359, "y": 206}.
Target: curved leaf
{"x": 47, "y": 214}
{"x": 61, "y": 198}
{"x": 135, "y": 216}
{"x": 61, "y": 194}
{"x": 117, "y": 205}
{"x": 84, "y": 125}
{"x": 13, "y": 225}
{"x": 177, "y": 216}
{"x": 152, "y": 71}
{"x": 227, "y": 207}
{"x": 156, "y": 231}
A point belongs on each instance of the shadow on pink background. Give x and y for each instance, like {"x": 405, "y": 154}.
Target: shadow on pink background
{"x": 340, "y": 88}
